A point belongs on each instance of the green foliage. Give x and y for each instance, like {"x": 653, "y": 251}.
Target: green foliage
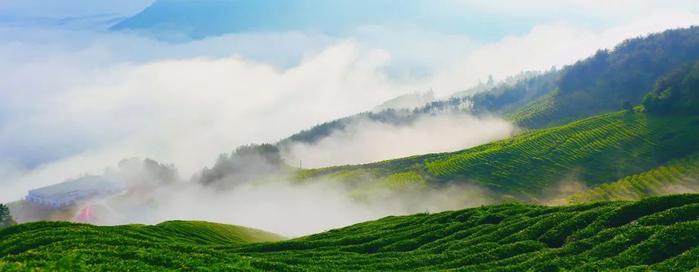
{"x": 6, "y": 219}
{"x": 205, "y": 232}
{"x": 509, "y": 97}
{"x": 608, "y": 79}
{"x": 655, "y": 234}
{"x": 677, "y": 92}
{"x": 174, "y": 245}
{"x": 248, "y": 162}
{"x": 318, "y": 132}
{"x": 678, "y": 175}
{"x": 599, "y": 84}
{"x": 592, "y": 151}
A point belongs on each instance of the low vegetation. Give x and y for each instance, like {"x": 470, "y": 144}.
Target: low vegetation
{"x": 591, "y": 151}
{"x": 181, "y": 245}
{"x": 6, "y": 218}
{"x": 677, "y": 176}
{"x": 657, "y": 234}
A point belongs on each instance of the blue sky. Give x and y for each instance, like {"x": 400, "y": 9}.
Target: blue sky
{"x": 479, "y": 20}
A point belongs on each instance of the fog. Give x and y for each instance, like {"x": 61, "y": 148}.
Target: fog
{"x": 366, "y": 140}
{"x": 687, "y": 185}
{"x": 154, "y": 193}
{"x": 280, "y": 207}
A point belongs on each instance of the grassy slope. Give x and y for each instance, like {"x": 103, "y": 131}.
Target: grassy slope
{"x": 680, "y": 175}
{"x": 593, "y": 151}
{"x": 205, "y": 232}
{"x": 656, "y": 234}
{"x": 173, "y": 244}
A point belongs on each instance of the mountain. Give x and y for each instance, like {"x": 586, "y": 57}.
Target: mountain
{"x": 596, "y": 150}
{"x": 675, "y": 94}
{"x": 186, "y": 19}
{"x": 607, "y": 80}
{"x": 407, "y": 101}
{"x": 197, "y": 19}
{"x": 655, "y": 234}
{"x": 599, "y": 84}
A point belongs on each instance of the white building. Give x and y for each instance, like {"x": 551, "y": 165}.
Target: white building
{"x": 72, "y": 191}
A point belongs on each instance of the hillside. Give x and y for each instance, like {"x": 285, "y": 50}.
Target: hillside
{"x": 603, "y": 82}
{"x": 591, "y": 151}
{"x": 677, "y": 92}
{"x": 174, "y": 244}
{"x": 657, "y": 234}
{"x": 643, "y": 150}
{"x": 676, "y": 176}
{"x": 212, "y": 233}
{"x": 599, "y": 84}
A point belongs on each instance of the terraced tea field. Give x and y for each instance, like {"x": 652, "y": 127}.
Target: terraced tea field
{"x": 591, "y": 151}
{"x": 657, "y": 234}
{"x": 677, "y": 176}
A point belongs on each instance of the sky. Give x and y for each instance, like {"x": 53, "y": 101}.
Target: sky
{"x": 76, "y": 97}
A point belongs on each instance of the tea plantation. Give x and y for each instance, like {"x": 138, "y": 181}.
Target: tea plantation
{"x": 654, "y": 234}
{"x": 592, "y": 151}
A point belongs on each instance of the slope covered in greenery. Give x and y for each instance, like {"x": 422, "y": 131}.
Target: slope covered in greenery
{"x": 205, "y": 232}
{"x": 592, "y": 151}
{"x": 677, "y": 176}
{"x": 657, "y": 234}
{"x": 172, "y": 245}
{"x": 605, "y": 81}
{"x": 677, "y": 92}
{"x": 600, "y": 84}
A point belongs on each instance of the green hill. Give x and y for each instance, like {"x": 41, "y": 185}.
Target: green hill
{"x": 212, "y": 233}
{"x": 173, "y": 244}
{"x": 643, "y": 150}
{"x": 603, "y": 82}
{"x": 677, "y": 92}
{"x": 676, "y": 176}
{"x": 657, "y": 234}
{"x": 591, "y": 151}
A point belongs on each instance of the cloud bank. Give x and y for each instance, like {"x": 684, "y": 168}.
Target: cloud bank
{"x": 280, "y": 206}
{"x": 367, "y": 141}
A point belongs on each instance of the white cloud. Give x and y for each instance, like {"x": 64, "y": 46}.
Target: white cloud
{"x": 281, "y": 207}
{"x": 548, "y": 45}
{"x": 90, "y": 112}
{"x": 368, "y": 141}
{"x": 595, "y": 8}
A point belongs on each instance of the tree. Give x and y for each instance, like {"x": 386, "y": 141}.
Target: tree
{"x": 626, "y": 105}
{"x": 6, "y": 219}
{"x": 676, "y": 92}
